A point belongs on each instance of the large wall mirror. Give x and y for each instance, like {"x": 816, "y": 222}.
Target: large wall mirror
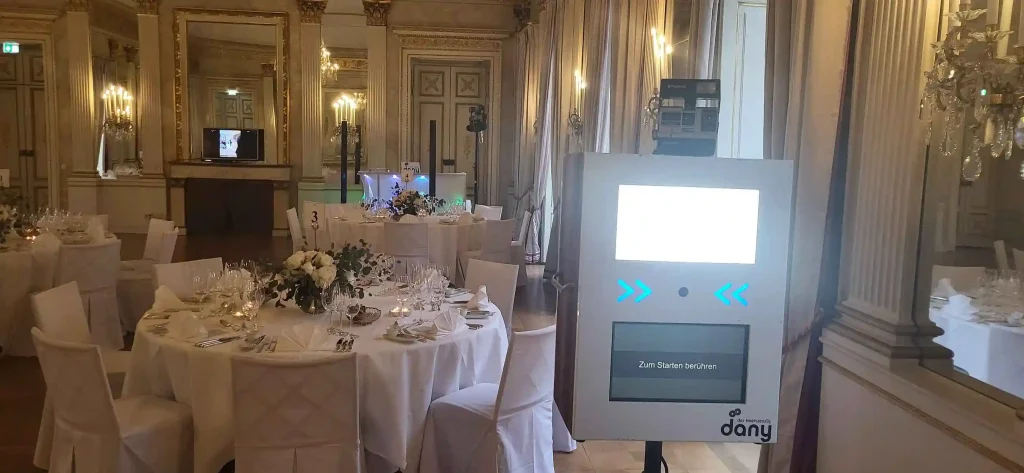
{"x": 230, "y": 92}
{"x": 344, "y": 69}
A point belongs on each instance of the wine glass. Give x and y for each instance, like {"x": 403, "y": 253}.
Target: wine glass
{"x": 331, "y": 298}
{"x": 201, "y": 287}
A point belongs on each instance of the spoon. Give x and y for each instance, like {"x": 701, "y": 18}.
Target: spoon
{"x": 230, "y": 325}
{"x": 251, "y": 344}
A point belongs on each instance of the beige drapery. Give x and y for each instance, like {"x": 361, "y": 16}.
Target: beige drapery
{"x": 806, "y": 64}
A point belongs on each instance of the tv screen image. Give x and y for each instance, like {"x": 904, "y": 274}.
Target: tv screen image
{"x": 233, "y": 144}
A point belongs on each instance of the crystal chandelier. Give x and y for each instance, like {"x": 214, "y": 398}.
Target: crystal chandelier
{"x": 117, "y": 104}
{"x": 328, "y": 68}
{"x": 969, "y": 77}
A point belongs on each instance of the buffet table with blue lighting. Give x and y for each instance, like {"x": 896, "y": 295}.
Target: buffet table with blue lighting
{"x": 380, "y": 185}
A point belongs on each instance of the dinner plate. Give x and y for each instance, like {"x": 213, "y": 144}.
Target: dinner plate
{"x": 400, "y": 338}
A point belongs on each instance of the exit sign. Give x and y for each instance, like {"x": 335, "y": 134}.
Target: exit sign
{"x": 10, "y": 47}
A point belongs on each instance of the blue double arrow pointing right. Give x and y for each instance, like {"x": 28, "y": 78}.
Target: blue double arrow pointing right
{"x": 737, "y": 294}
{"x": 628, "y": 291}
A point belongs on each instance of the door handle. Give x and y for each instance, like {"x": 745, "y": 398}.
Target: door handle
{"x": 559, "y": 287}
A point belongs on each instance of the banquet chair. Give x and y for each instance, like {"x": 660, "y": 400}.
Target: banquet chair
{"x": 58, "y": 312}
{"x": 963, "y": 278}
{"x": 408, "y": 243}
{"x": 96, "y": 433}
{"x": 495, "y": 243}
{"x": 518, "y": 252}
{"x": 489, "y": 428}
{"x": 268, "y": 439}
{"x": 178, "y": 276}
{"x": 295, "y": 229}
{"x": 500, "y": 280}
{"x": 488, "y": 212}
{"x": 95, "y": 267}
{"x": 1002, "y": 262}
{"x": 1018, "y": 261}
{"x": 135, "y": 287}
{"x": 155, "y": 252}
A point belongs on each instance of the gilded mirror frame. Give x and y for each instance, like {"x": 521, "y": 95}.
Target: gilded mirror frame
{"x": 182, "y": 16}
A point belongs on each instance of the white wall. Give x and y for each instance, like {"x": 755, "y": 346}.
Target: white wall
{"x": 860, "y": 431}
{"x": 742, "y": 66}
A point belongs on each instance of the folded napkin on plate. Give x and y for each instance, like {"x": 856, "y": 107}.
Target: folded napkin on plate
{"x": 46, "y": 240}
{"x": 96, "y": 230}
{"x": 184, "y": 326}
{"x": 307, "y": 336}
{"x": 960, "y": 306}
{"x": 479, "y": 300}
{"x": 446, "y": 323}
{"x": 165, "y": 300}
{"x": 466, "y": 217}
{"x": 944, "y": 288}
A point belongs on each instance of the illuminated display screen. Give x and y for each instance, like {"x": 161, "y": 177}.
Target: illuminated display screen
{"x": 686, "y": 224}
{"x": 683, "y": 362}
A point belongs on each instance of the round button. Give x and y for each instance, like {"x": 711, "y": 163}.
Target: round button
{"x": 683, "y": 291}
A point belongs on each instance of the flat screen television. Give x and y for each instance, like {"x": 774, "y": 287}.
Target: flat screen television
{"x": 233, "y": 144}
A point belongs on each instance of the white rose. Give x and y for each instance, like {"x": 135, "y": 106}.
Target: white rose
{"x": 294, "y": 261}
{"x": 326, "y": 276}
{"x": 309, "y": 255}
{"x": 308, "y": 268}
{"x": 324, "y": 259}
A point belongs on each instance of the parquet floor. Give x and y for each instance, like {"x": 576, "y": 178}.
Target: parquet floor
{"x": 22, "y": 388}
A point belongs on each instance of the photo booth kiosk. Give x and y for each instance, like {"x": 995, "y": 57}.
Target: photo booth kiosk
{"x": 672, "y": 276}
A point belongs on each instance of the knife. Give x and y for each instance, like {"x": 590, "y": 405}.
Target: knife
{"x": 216, "y": 341}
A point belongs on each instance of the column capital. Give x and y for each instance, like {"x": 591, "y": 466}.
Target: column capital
{"x": 269, "y": 69}
{"x": 311, "y": 11}
{"x": 147, "y": 7}
{"x": 77, "y": 5}
{"x": 376, "y": 12}
{"x": 522, "y": 13}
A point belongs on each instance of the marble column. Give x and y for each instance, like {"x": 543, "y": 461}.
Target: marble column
{"x": 376, "y": 82}
{"x": 149, "y": 127}
{"x": 310, "y": 89}
{"x": 79, "y": 110}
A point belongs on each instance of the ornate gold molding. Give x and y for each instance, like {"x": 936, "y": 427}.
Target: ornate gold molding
{"x": 25, "y": 25}
{"x": 131, "y": 54}
{"x": 352, "y": 64}
{"x": 449, "y": 42}
{"x": 311, "y": 11}
{"x": 77, "y": 5}
{"x": 522, "y": 13}
{"x": 147, "y": 7}
{"x": 377, "y": 12}
{"x": 269, "y": 69}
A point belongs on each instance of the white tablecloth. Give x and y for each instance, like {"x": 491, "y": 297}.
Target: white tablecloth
{"x": 397, "y": 381}
{"x": 444, "y": 242}
{"x": 24, "y": 268}
{"x": 990, "y": 353}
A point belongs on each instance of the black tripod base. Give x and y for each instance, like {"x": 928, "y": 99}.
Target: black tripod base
{"x": 652, "y": 457}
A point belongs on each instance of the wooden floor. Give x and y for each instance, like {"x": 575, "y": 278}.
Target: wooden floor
{"x": 22, "y": 387}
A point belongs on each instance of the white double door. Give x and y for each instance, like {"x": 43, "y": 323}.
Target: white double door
{"x": 445, "y": 92}
{"x": 23, "y": 145}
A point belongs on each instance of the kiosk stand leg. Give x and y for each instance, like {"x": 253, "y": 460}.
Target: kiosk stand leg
{"x": 653, "y": 458}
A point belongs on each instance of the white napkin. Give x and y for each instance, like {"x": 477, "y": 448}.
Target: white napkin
{"x": 465, "y": 218}
{"x": 479, "y": 300}
{"x": 409, "y": 218}
{"x": 184, "y": 325}
{"x": 944, "y": 288}
{"x": 307, "y": 336}
{"x": 445, "y": 324}
{"x": 164, "y": 300}
{"x": 96, "y": 230}
{"x": 46, "y": 241}
{"x": 959, "y": 306}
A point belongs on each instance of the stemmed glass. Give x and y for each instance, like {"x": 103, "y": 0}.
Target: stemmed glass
{"x": 201, "y": 287}
{"x": 332, "y": 299}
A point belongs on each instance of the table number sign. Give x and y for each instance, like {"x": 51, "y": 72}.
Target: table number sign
{"x": 5, "y": 178}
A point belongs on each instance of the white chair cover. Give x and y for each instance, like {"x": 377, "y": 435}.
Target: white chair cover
{"x": 407, "y": 242}
{"x": 506, "y": 428}
{"x": 296, "y": 415}
{"x": 1002, "y": 261}
{"x": 178, "y": 276}
{"x": 295, "y": 229}
{"x": 155, "y": 248}
{"x": 135, "y": 286}
{"x": 334, "y": 211}
{"x": 495, "y": 243}
{"x": 518, "y": 251}
{"x": 95, "y": 267}
{"x": 963, "y": 278}
{"x": 94, "y": 433}
{"x": 500, "y": 280}
{"x": 488, "y": 212}
{"x": 1018, "y": 261}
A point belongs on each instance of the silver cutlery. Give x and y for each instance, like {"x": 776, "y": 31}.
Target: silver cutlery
{"x": 262, "y": 346}
{"x": 251, "y": 345}
{"x": 273, "y": 345}
{"x": 216, "y": 341}
{"x": 230, "y": 325}
{"x": 475, "y": 326}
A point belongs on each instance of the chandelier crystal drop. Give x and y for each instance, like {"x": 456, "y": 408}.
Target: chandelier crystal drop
{"x": 975, "y": 87}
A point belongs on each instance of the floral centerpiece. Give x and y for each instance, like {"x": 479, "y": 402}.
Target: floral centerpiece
{"x": 412, "y": 202}
{"x": 8, "y": 215}
{"x": 305, "y": 275}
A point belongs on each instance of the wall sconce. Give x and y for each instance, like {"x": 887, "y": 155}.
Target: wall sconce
{"x": 117, "y": 105}
{"x": 576, "y": 107}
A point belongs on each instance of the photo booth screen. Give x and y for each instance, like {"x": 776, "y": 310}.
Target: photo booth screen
{"x": 679, "y": 362}
{"x": 686, "y": 224}
{"x": 232, "y": 144}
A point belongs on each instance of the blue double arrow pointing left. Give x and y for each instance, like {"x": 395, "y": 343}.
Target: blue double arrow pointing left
{"x": 644, "y": 291}
{"x": 737, "y": 294}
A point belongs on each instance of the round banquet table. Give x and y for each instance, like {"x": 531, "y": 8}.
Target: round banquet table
{"x": 444, "y": 241}
{"x": 25, "y": 267}
{"x": 397, "y": 381}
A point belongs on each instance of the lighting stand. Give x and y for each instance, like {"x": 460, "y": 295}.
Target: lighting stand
{"x": 343, "y": 155}
{"x": 477, "y": 125}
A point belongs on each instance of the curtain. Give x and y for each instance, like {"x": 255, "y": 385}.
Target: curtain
{"x": 806, "y": 68}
